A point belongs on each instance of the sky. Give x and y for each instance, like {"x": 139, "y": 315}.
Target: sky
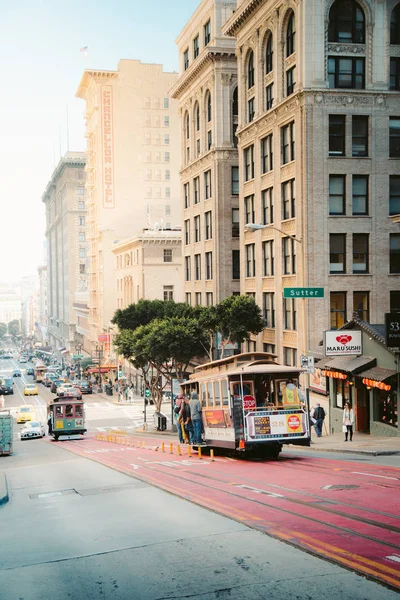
{"x": 41, "y": 66}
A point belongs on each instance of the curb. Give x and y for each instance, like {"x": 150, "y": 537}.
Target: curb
{"x": 4, "y": 497}
{"x": 355, "y": 451}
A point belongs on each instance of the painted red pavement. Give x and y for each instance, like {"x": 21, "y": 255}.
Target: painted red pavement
{"x": 293, "y": 499}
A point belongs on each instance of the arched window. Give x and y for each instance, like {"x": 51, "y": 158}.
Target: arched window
{"x": 250, "y": 70}
{"x": 197, "y": 116}
{"x": 235, "y": 117}
{"x": 346, "y": 23}
{"x": 395, "y": 25}
{"x": 268, "y": 55}
{"x": 208, "y": 105}
{"x": 290, "y": 36}
{"x": 187, "y": 126}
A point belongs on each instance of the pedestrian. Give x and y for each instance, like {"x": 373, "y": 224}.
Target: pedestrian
{"x": 177, "y": 410}
{"x": 348, "y": 421}
{"x": 195, "y": 412}
{"x": 187, "y": 421}
{"x": 319, "y": 416}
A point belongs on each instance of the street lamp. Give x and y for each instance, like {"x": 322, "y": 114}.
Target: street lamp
{"x": 257, "y": 226}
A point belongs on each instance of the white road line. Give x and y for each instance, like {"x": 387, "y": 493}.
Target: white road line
{"x": 394, "y": 558}
{"x": 380, "y": 476}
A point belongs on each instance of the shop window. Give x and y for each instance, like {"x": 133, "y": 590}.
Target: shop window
{"x": 385, "y": 407}
{"x": 343, "y": 393}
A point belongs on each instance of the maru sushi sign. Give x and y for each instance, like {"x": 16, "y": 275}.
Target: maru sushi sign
{"x": 339, "y": 343}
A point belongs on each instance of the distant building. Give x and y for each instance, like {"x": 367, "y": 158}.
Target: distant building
{"x": 42, "y": 321}
{"x": 65, "y": 203}
{"x": 10, "y": 303}
{"x": 133, "y": 159}
{"x": 29, "y": 285}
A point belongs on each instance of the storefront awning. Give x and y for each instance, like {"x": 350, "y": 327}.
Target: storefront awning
{"x": 95, "y": 370}
{"x": 350, "y": 364}
{"x": 377, "y": 374}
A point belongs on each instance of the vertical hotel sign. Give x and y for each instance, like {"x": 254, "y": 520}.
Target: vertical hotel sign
{"x": 108, "y": 145}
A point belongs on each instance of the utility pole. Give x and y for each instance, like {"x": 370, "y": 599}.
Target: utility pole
{"x": 99, "y": 351}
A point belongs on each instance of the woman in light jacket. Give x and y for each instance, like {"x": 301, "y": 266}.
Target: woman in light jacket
{"x": 348, "y": 421}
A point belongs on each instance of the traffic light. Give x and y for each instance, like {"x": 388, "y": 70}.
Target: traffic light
{"x": 147, "y": 393}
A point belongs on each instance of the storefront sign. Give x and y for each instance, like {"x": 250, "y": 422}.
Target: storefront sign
{"x": 108, "y": 146}
{"x": 318, "y": 381}
{"x": 263, "y": 425}
{"x": 341, "y": 343}
{"x": 392, "y": 321}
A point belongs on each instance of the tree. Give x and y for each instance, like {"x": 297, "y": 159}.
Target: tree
{"x": 237, "y": 317}
{"x": 145, "y": 311}
{"x": 3, "y": 330}
{"x": 13, "y": 328}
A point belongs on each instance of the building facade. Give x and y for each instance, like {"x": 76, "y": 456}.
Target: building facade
{"x": 132, "y": 169}
{"x": 66, "y": 244}
{"x": 207, "y": 94}
{"x": 10, "y": 303}
{"x": 319, "y": 154}
{"x": 42, "y": 300}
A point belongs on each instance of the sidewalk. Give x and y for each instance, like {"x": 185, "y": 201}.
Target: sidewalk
{"x": 362, "y": 443}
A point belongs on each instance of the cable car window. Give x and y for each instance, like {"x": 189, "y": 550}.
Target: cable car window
{"x": 79, "y": 410}
{"x": 69, "y": 410}
{"x": 247, "y": 389}
{"x": 225, "y": 393}
{"x": 210, "y": 394}
{"x": 59, "y": 411}
{"x": 203, "y": 394}
{"x": 217, "y": 392}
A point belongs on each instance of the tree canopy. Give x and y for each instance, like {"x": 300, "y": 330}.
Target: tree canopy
{"x": 13, "y": 327}
{"x": 3, "y": 329}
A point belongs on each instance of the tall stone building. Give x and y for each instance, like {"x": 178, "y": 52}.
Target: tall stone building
{"x": 207, "y": 94}
{"x": 319, "y": 149}
{"x": 132, "y": 168}
{"x": 65, "y": 203}
{"x": 42, "y": 321}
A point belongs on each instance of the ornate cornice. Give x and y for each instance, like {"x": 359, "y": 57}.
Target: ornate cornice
{"x": 211, "y": 55}
{"x": 240, "y": 17}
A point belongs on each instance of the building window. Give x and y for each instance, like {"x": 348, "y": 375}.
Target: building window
{"x": 167, "y": 192}
{"x": 207, "y": 33}
{"x": 360, "y": 252}
{"x": 267, "y": 197}
{"x": 209, "y": 299}
{"x": 166, "y": 139}
{"x": 395, "y": 301}
{"x": 80, "y": 191}
{"x": 166, "y": 121}
{"x": 198, "y": 298}
{"x": 290, "y": 80}
{"x": 208, "y": 225}
{"x": 249, "y": 211}
{"x": 166, "y": 102}
{"x": 167, "y": 210}
{"x": 235, "y": 264}
{"x": 250, "y": 71}
{"x": 395, "y": 25}
{"x": 269, "y": 309}
{"x": 235, "y": 222}
{"x": 186, "y": 59}
{"x": 81, "y": 175}
{"x": 249, "y": 163}
{"x": 186, "y": 193}
{"x": 269, "y": 54}
{"x": 235, "y": 181}
{"x": 196, "y": 189}
{"x": 167, "y": 255}
{"x": 188, "y": 298}
{"x": 361, "y": 305}
{"x": 346, "y": 73}
{"x": 168, "y": 292}
{"x": 197, "y": 267}
{"x": 288, "y": 199}
{"x": 269, "y": 96}
{"x": 346, "y": 23}
{"x": 198, "y": 147}
{"x": 197, "y": 229}
{"x": 394, "y": 83}
{"x": 188, "y": 269}
{"x": 289, "y": 357}
{"x": 187, "y": 232}
{"x": 197, "y": 116}
{"x": 167, "y": 174}
{"x": 290, "y": 36}
{"x": 395, "y": 253}
{"x": 81, "y": 221}
{"x": 338, "y": 309}
{"x": 394, "y": 137}
{"x": 82, "y": 236}
{"x": 209, "y": 108}
{"x": 250, "y": 260}
{"x": 360, "y": 187}
{"x": 337, "y": 135}
{"x": 207, "y": 184}
{"x": 288, "y": 143}
{"x": 337, "y": 253}
{"x": 235, "y": 117}
{"x": 82, "y": 269}
{"x": 268, "y": 258}
{"x": 209, "y": 140}
{"x": 81, "y": 205}
{"x": 360, "y": 136}
{"x": 289, "y": 314}
{"x": 337, "y": 194}
{"x": 187, "y": 126}
{"x": 394, "y": 194}
{"x": 289, "y": 256}
{"x": 196, "y": 47}
{"x": 251, "y": 111}
{"x": 82, "y": 252}
{"x": 209, "y": 271}
{"x": 267, "y": 154}
{"x": 269, "y": 348}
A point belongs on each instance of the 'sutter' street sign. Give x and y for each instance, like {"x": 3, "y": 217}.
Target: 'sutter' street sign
{"x": 297, "y": 292}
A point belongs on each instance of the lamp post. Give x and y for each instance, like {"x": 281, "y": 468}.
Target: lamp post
{"x": 99, "y": 352}
{"x": 258, "y": 226}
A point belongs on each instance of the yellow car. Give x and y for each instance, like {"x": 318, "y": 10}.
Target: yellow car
{"x": 26, "y": 413}
{"x": 31, "y": 390}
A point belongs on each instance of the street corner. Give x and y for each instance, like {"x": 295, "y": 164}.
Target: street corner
{"x": 4, "y": 497}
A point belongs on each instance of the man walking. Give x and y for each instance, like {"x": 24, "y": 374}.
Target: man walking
{"x": 319, "y": 416}
{"x": 195, "y": 413}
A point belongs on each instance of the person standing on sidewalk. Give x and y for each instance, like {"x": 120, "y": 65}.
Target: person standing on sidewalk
{"x": 187, "y": 421}
{"x": 319, "y": 416}
{"x": 348, "y": 421}
{"x": 177, "y": 411}
{"x": 195, "y": 412}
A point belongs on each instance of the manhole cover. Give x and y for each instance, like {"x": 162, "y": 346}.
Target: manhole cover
{"x": 340, "y": 487}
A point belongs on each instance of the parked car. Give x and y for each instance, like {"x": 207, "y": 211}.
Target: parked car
{"x": 31, "y": 390}
{"x": 85, "y": 387}
{"x": 17, "y": 373}
{"x": 26, "y": 413}
{"x": 33, "y": 429}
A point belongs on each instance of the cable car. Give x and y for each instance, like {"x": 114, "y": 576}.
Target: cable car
{"x": 66, "y": 417}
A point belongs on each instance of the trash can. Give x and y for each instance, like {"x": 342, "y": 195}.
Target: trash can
{"x": 160, "y": 421}
{"x": 109, "y": 390}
